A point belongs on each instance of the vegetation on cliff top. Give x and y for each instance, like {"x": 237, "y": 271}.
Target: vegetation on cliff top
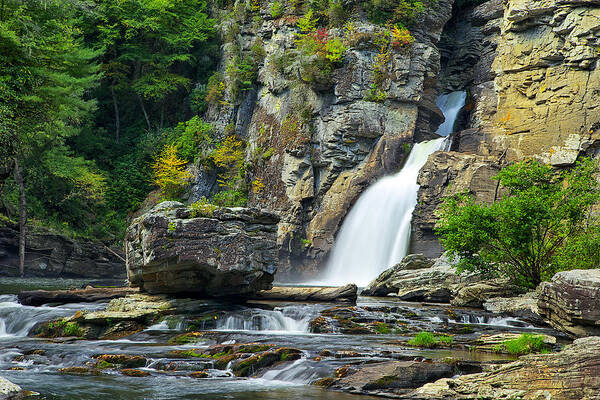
{"x": 540, "y": 225}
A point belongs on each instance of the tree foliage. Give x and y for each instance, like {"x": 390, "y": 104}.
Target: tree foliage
{"x": 540, "y": 225}
{"x": 169, "y": 173}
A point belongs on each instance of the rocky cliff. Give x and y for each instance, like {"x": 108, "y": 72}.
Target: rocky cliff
{"x": 323, "y": 144}
{"x": 532, "y": 84}
{"x": 52, "y": 255}
{"x": 314, "y": 144}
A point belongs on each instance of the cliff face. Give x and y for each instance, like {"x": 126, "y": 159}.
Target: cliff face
{"x": 530, "y": 70}
{"x": 533, "y": 94}
{"x": 320, "y": 146}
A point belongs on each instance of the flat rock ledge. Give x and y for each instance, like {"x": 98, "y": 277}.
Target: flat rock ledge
{"x": 343, "y": 294}
{"x": 87, "y": 295}
{"x": 572, "y": 374}
{"x": 225, "y": 252}
{"x": 571, "y": 302}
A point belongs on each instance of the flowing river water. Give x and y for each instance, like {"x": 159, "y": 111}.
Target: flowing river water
{"x": 33, "y": 363}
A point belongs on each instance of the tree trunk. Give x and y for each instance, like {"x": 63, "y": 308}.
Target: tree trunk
{"x": 22, "y": 216}
{"x": 144, "y": 111}
{"x": 116, "y": 108}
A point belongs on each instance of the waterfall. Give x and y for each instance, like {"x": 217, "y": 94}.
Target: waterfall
{"x": 289, "y": 319}
{"x": 376, "y": 233}
{"x": 450, "y": 104}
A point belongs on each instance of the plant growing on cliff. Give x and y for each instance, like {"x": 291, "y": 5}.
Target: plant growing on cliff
{"x": 169, "y": 173}
{"x": 539, "y": 226}
{"x": 229, "y": 158}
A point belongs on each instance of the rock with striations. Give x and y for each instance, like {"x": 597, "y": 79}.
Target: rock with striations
{"x": 571, "y": 302}
{"x": 572, "y": 374}
{"x": 226, "y": 252}
{"x": 342, "y": 294}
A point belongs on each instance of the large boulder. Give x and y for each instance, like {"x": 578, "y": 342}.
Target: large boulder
{"x": 417, "y": 278}
{"x": 226, "y": 252}
{"x": 572, "y": 374}
{"x": 571, "y": 302}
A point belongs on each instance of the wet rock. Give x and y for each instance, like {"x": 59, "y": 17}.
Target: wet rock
{"x": 391, "y": 376}
{"x": 88, "y": 295}
{"x": 343, "y": 294}
{"x": 573, "y": 373}
{"x": 229, "y": 252}
{"x": 78, "y": 371}
{"x": 134, "y": 372}
{"x": 55, "y": 256}
{"x": 9, "y": 391}
{"x": 571, "y": 302}
{"x": 474, "y": 295}
{"x": 523, "y": 307}
{"x": 199, "y": 375}
{"x": 255, "y": 363}
{"x": 123, "y": 360}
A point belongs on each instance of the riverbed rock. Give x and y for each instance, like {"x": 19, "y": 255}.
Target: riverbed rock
{"x": 342, "y": 294}
{"x": 88, "y": 295}
{"x": 572, "y": 374}
{"x": 571, "y": 302}
{"x": 227, "y": 252}
{"x": 51, "y": 255}
{"x": 524, "y": 307}
{"x": 390, "y": 376}
{"x": 9, "y": 391}
{"x": 418, "y": 278}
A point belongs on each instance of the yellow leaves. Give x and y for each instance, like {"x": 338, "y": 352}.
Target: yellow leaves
{"x": 258, "y": 185}
{"x": 169, "y": 172}
{"x": 229, "y": 152}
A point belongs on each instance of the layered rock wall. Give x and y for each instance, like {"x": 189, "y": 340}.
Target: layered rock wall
{"x": 339, "y": 142}
{"x": 533, "y": 94}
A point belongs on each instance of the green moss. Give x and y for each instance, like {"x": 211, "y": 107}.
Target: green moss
{"x": 382, "y": 328}
{"x": 466, "y": 329}
{"x": 429, "y": 340}
{"x": 525, "y": 344}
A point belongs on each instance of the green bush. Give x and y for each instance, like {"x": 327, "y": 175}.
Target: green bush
{"x": 525, "y": 344}
{"x": 540, "y": 225}
{"x": 277, "y": 9}
{"x": 230, "y": 198}
{"x": 429, "y": 340}
{"x": 202, "y": 208}
{"x": 193, "y": 139}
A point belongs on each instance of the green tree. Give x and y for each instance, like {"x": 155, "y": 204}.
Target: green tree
{"x": 45, "y": 73}
{"x": 541, "y": 224}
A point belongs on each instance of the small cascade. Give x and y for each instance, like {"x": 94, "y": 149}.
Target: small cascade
{"x": 376, "y": 233}
{"x": 17, "y": 320}
{"x": 302, "y": 371}
{"x": 290, "y": 319}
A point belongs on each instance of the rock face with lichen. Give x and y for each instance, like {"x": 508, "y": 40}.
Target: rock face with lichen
{"x": 530, "y": 67}
{"x": 571, "y": 302}
{"x": 227, "y": 253}
{"x": 317, "y": 147}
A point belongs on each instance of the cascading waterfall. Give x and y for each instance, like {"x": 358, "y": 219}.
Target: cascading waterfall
{"x": 376, "y": 233}
{"x": 17, "y": 320}
{"x": 290, "y": 319}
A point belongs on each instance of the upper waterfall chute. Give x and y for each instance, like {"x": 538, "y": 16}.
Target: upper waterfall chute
{"x": 450, "y": 104}
{"x": 375, "y": 234}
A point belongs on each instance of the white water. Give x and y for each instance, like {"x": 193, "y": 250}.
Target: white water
{"x": 17, "y": 320}
{"x": 450, "y": 104}
{"x": 376, "y": 233}
{"x": 290, "y": 319}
